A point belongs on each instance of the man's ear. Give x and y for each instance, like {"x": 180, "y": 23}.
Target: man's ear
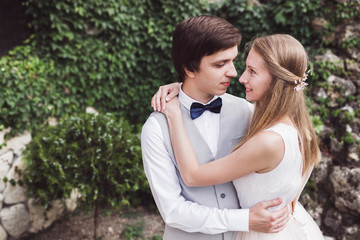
{"x": 189, "y": 73}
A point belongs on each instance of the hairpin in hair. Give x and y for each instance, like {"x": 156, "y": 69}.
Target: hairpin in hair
{"x": 301, "y": 83}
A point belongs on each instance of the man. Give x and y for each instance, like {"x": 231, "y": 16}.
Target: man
{"x": 203, "y": 52}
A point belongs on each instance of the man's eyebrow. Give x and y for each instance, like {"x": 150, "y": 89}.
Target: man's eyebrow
{"x": 225, "y": 60}
{"x": 222, "y": 60}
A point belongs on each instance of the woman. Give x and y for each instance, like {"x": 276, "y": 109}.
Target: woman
{"x": 278, "y": 153}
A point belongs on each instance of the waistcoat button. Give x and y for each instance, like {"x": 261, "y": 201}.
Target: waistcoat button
{"x": 222, "y": 195}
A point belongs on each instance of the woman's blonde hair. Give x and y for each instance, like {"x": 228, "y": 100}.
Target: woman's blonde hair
{"x": 286, "y": 60}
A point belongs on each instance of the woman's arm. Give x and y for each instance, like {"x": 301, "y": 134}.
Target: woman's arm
{"x": 261, "y": 153}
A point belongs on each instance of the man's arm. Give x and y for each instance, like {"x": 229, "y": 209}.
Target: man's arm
{"x": 174, "y": 209}
{"x": 189, "y": 216}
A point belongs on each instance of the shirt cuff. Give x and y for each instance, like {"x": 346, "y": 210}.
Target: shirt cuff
{"x": 239, "y": 220}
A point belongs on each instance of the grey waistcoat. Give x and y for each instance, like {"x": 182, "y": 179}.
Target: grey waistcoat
{"x": 234, "y": 119}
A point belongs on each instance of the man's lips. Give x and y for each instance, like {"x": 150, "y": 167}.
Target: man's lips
{"x": 226, "y": 84}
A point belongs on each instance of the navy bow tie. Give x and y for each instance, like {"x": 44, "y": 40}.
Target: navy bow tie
{"x": 197, "y": 109}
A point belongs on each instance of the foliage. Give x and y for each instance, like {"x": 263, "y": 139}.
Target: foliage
{"x": 31, "y": 94}
{"x": 321, "y": 71}
{"x": 111, "y": 54}
{"x": 98, "y": 155}
{"x": 156, "y": 237}
{"x": 2, "y": 144}
{"x": 337, "y": 109}
{"x": 24, "y": 87}
{"x": 114, "y": 54}
{"x": 270, "y": 17}
{"x": 337, "y": 13}
{"x": 276, "y": 16}
{"x": 133, "y": 231}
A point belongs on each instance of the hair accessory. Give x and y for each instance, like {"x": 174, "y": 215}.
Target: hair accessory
{"x": 301, "y": 83}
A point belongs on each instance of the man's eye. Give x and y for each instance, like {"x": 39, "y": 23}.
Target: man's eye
{"x": 219, "y": 64}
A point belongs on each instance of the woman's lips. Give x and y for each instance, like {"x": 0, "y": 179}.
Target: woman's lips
{"x": 248, "y": 90}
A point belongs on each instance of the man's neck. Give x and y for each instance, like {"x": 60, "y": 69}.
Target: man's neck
{"x": 195, "y": 93}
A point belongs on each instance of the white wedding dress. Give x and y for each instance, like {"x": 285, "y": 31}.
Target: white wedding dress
{"x": 284, "y": 181}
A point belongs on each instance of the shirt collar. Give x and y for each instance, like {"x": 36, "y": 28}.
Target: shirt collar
{"x": 187, "y": 101}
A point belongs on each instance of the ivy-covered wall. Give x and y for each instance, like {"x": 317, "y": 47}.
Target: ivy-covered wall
{"x": 113, "y": 55}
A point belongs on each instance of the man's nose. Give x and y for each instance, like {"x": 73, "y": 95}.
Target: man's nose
{"x": 232, "y": 71}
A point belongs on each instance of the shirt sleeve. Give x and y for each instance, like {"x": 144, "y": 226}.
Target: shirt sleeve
{"x": 175, "y": 210}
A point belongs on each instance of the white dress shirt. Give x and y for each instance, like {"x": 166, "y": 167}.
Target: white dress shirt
{"x": 207, "y": 124}
{"x": 175, "y": 210}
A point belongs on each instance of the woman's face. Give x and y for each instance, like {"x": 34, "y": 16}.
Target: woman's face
{"x": 256, "y": 77}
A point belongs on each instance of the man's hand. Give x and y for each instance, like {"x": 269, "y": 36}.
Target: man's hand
{"x": 262, "y": 220}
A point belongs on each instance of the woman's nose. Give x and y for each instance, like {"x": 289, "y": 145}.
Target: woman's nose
{"x": 242, "y": 78}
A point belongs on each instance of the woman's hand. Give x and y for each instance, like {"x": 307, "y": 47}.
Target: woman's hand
{"x": 172, "y": 111}
{"x": 164, "y": 95}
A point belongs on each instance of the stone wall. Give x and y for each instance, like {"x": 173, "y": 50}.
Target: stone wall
{"x": 335, "y": 197}
{"x": 20, "y": 216}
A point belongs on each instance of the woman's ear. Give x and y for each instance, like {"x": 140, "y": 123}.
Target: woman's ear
{"x": 189, "y": 73}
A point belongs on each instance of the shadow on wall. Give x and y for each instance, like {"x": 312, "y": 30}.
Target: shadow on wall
{"x": 13, "y": 25}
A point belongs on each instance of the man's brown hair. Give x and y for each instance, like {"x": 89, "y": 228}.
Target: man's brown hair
{"x": 200, "y": 36}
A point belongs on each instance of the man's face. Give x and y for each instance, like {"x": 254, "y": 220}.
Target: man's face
{"x": 214, "y": 75}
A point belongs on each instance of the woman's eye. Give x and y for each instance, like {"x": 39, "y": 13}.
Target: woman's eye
{"x": 252, "y": 71}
